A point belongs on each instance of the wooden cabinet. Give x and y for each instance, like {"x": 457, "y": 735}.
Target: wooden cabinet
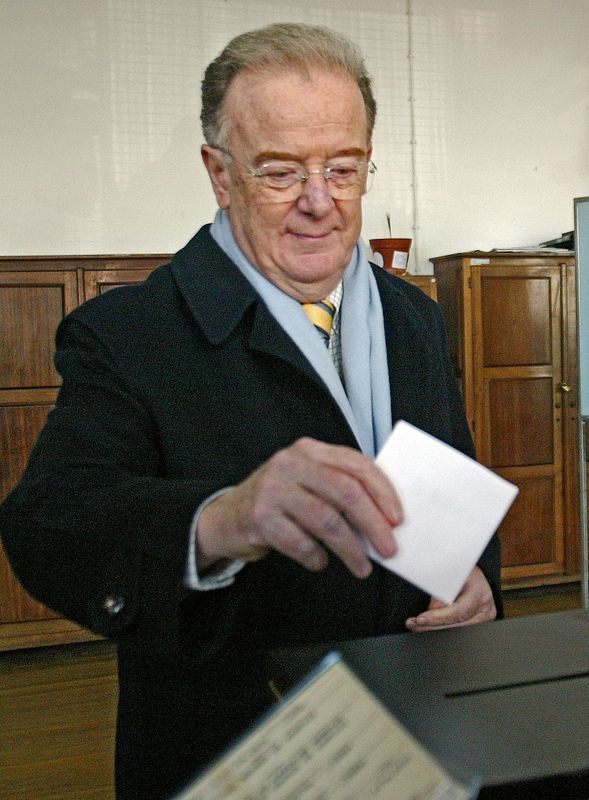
{"x": 35, "y": 294}
{"x": 511, "y": 321}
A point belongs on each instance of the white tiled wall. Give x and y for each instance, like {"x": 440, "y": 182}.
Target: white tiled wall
{"x": 481, "y": 138}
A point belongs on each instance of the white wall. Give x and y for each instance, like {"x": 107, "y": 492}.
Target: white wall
{"x": 99, "y": 131}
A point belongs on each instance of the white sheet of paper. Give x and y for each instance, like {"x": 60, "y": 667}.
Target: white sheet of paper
{"x": 452, "y": 507}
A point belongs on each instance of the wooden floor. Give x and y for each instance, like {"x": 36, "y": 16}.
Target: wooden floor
{"x": 58, "y": 706}
{"x": 57, "y": 721}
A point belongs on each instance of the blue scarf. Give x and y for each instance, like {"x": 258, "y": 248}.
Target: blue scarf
{"x": 366, "y": 401}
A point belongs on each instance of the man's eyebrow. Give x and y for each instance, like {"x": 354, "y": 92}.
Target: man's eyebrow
{"x": 278, "y": 155}
{"x": 349, "y": 151}
{"x": 275, "y": 155}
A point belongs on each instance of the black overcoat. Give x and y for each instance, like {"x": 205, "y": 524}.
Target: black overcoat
{"x": 171, "y": 390}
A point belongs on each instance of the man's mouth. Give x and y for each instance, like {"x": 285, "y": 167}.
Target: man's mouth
{"x": 310, "y": 237}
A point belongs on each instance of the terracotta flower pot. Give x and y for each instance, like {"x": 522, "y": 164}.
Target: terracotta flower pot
{"x": 393, "y": 252}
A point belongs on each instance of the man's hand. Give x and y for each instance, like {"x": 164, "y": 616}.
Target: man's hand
{"x": 306, "y": 500}
{"x": 474, "y": 604}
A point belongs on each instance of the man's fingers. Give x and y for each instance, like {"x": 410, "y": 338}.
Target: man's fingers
{"x": 429, "y": 621}
{"x": 307, "y": 499}
{"x": 323, "y": 522}
{"x": 359, "y": 490}
{"x": 288, "y": 538}
{"x": 473, "y": 605}
{"x": 364, "y": 470}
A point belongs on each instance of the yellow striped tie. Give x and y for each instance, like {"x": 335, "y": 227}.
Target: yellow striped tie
{"x": 321, "y": 314}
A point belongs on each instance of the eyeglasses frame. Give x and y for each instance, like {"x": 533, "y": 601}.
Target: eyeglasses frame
{"x": 302, "y": 176}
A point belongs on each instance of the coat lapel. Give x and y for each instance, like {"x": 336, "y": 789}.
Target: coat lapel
{"x": 219, "y": 297}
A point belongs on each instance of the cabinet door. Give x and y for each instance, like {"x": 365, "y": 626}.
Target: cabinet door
{"x": 517, "y": 329}
{"x": 20, "y": 424}
{"x": 569, "y": 389}
{"x": 31, "y": 306}
{"x": 33, "y": 301}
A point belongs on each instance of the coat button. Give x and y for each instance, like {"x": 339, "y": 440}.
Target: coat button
{"x": 113, "y": 605}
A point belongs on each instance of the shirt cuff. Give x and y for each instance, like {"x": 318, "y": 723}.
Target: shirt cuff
{"x": 219, "y": 575}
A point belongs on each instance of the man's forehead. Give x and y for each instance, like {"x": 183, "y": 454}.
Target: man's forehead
{"x": 289, "y": 99}
{"x": 274, "y": 85}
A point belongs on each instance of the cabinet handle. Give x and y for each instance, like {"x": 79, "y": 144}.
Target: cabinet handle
{"x": 565, "y": 387}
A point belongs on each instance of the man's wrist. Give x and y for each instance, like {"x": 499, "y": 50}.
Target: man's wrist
{"x": 205, "y": 574}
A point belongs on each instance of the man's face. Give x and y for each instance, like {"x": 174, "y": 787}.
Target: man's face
{"x": 302, "y": 245}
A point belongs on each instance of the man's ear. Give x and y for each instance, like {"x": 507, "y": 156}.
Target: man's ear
{"x": 217, "y": 169}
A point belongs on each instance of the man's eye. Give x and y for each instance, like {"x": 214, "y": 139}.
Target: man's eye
{"x": 343, "y": 171}
{"x": 280, "y": 174}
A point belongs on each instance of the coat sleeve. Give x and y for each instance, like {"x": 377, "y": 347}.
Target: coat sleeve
{"x": 95, "y": 530}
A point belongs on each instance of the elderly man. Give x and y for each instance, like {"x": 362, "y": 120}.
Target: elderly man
{"x": 198, "y": 489}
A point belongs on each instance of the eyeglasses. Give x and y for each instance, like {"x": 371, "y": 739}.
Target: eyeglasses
{"x": 346, "y": 178}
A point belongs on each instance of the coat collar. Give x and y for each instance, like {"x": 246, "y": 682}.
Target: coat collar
{"x": 216, "y": 292}
{"x": 219, "y": 297}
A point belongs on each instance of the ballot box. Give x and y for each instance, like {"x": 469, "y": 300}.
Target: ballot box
{"x": 507, "y": 701}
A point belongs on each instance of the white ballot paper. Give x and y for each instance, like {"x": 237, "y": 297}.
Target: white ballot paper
{"x": 329, "y": 739}
{"x": 452, "y": 507}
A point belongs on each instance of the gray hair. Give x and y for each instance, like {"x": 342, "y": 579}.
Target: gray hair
{"x": 280, "y": 45}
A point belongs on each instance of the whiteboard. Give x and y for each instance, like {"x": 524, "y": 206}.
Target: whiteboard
{"x": 100, "y": 131}
{"x": 582, "y": 259}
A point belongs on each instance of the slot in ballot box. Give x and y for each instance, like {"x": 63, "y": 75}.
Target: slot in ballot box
{"x": 507, "y": 701}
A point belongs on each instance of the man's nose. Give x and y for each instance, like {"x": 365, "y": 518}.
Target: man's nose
{"x": 315, "y": 195}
